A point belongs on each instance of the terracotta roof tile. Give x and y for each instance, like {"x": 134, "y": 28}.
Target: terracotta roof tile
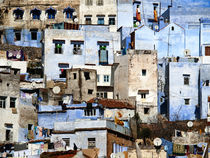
{"x": 113, "y": 103}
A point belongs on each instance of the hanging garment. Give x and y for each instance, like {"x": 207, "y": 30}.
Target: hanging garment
{"x": 40, "y": 131}
{"x": 155, "y": 16}
{"x": 191, "y": 149}
{"x": 138, "y": 14}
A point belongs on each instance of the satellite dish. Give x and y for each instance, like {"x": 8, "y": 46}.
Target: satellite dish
{"x": 33, "y": 84}
{"x": 156, "y": 27}
{"x": 187, "y": 52}
{"x": 75, "y": 20}
{"x": 189, "y": 124}
{"x": 137, "y": 23}
{"x": 74, "y": 13}
{"x": 157, "y": 142}
{"x": 56, "y": 90}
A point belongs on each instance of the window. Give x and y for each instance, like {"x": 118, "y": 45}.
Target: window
{"x": 106, "y": 78}
{"x": 69, "y": 12}
{"x": 207, "y": 51}
{"x": 112, "y": 21}
{"x": 90, "y": 91}
{"x": 3, "y": 102}
{"x": 144, "y": 72}
{"x": 90, "y": 112}
{"x": 161, "y": 99}
{"x": 87, "y": 75}
{"x": 101, "y": 94}
{"x": 62, "y": 73}
{"x": 51, "y": 13}
{"x": 34, "y": 34}
{"x": 36, "y": 13}
{"x": 100, "y": 2}
{"x": 98, "y": 78}
{"x": 172, "y": 28}
{"x": 75, "y": 76}
{"x": 63, "y": 67}
{"x": 103, "y": 54}
{"x": 58, "y": 46}
{"x": 100, "y": 21}
{"x": 77, "y": 47}
{"x": 88, "y": 21}
{"x": 186, "y": 79}
{"x": 143, "y": 95}
{"x": 8, "y": 135}
{"x": 30, "y": 127}
{"x": 88, "y": 2}
{"x": 146, "y": 110}
{"x": 207, "y": 82}
{"x": 17, "y": 35}
{"x": 187, "y": 101}
{"x": 8, "y": 125}
{"x": 67, "y": 141}
{"x": 60, "y": 102}
{"x": 91, "y": 143}
{"x": 18, "y": 13}
{"x": 12, "y": 102}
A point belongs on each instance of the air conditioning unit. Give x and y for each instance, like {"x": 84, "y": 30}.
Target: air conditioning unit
{"x": 187, "y": 53}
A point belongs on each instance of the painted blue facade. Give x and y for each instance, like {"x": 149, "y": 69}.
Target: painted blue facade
{"x": 204, "y": 90}
{"x": 25, "y": 39}
{"x": 183, "y": 93}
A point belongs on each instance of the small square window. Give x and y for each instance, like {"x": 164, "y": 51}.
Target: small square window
{"x": 187, "y": 101}
{"x": 3, "y": 102}
{"x": 207, "y": 82}
{"x": 143, "y": 95}
{"x": 106, "y": 78}
{"x": 87, "y": 75}
{"x": 98, "y": 78}
{"x": 100, "y": 21}
{"x": 12, "y": 102}
{"x": 90, "y": 91}
{"x": 30, "y": 127}
{"x": 88, "y": 2}
{"x": 33, "y": 35}
{"x": 146, "y": 110}
{"x": 77, "y": 49}
{"x": 105, "y": 94}
{"x": 75, "y": 76}
{"x": 91, "y": 143}
{"x": 88, "y": 21}
{"x": 144, "y": 72}
{"x": 58, "y": 48}
{"x": 100, "y": 2}
{"x": 161, "y": 99}
{"x": 17, "y": 35}
{"x": 67, "y": 141}
{"x": 186, "y": 80}
{"x": 111, "y": 21}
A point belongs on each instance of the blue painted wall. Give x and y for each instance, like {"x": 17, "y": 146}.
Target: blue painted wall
{"x": 25, "y": 38}
{"x": 178, "y": 91}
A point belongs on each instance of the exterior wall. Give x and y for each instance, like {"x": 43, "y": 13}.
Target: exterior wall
{"x": 108, "y": 8}
{"x": 204, "y": 34}
{"x": 9, "y": 87}
{"x": 170, "y": 42}
{"x": 125, "y": 13}
{"x": 130, "y": 70}
{"x": 28, "y": 22}
{"x": 121, "y": 77}
{"x": 26, "y": 39}
{"x": 101, "y": 71}
{"x": 144, "y": 39}
{"x": 114, "y": 139}
{"x": 80, "y": 86}
{"x": 89, "y": 49}
{"x": 147, "y": 153}
{"x": 204, "y": 90}
{"x": 140, "y": 60}
{"x": 80, "y": 138}
{"x": 22, "y": 65}
{"x": 178, "y": 91}
{"x": 126, "y": 113}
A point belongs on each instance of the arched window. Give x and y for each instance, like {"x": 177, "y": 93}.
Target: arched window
{"x": 68, "y": 12}
{"x": 35, "y": 13}
{"x": 18, "y": 13}
{"x": 51, "y": 13}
